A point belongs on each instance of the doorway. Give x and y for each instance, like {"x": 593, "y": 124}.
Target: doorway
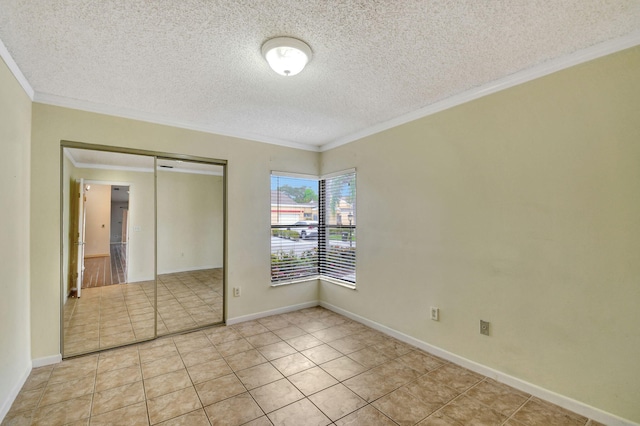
{"x": 106, "y": 208}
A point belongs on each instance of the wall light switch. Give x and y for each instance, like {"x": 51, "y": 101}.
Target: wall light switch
{"x": 435, "y": 313}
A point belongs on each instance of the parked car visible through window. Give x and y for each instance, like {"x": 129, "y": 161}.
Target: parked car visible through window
{"x": 305, "y": 228}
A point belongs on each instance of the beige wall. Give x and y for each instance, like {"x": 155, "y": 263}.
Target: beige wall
{"x": 249, "y": 169}
{"x": 526, "y": 214}
{"x": 97, "y": 220}
{"x": 190, "y": 222}
{"x": 15, "y": 133}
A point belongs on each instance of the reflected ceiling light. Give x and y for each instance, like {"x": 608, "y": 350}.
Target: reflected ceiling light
{"x": 287, "y": 56}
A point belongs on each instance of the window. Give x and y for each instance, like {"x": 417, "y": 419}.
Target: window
{"x": 337, "y": 258}
{"x": 294, "y": 227}
{"x": 313, "y": 228}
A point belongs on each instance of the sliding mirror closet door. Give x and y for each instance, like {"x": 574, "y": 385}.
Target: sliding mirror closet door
{"x": 190, "y": 215}
{"x": 108, "y": 241}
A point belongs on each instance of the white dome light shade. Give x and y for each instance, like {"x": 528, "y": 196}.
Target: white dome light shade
{"x": 287, "y": 56}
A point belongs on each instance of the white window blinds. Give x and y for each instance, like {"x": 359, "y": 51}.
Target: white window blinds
{"x": 337, "y": 251}
{"x": 294, "y": 228}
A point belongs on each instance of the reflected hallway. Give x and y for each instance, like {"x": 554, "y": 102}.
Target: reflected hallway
{"x": 106, "y": 270}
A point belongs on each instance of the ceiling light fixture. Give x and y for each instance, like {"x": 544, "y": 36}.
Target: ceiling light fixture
{"x": 287, "y": 56}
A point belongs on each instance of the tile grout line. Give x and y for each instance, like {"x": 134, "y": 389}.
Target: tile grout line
{"x": 93, "y": 394}
{"x": 511, "y": 417}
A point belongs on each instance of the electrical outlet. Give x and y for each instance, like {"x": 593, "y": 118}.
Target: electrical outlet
{"x": 484, "y": 327}
{"x": 435, "y": 313}
{"x": 236, "y": 292}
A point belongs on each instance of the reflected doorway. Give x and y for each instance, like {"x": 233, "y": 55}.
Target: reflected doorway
{"x": 105, "y": 234}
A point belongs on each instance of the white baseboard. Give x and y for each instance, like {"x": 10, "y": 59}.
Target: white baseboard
{"x": 189, "y": 269}
{"x": 6, "y": 404}
{"x": 137, "y": 279}
{"x": 92, "y": 256}
{"x": 251, "y": 317}
{"x": 140, "y": 279}
{"x": 537, "y": 391}
{"x": 47, "y": 360}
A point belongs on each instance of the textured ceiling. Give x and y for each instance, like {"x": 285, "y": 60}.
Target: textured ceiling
{"x": 197, "y": 63}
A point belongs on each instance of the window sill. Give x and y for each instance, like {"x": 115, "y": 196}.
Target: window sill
{"x": 296, "y": 281}
{"x": 345, "y": 284}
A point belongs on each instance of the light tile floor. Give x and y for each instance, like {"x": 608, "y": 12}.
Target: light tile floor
{"x": 109, "y": 316}
{"x": 310, "y": 367}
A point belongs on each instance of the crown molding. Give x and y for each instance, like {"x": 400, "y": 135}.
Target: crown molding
{"x": 192, "y": 172}
{"x": 520, "y": 77}
{"x": 61, "y": 101}
{"x": 15, "y": 70}
{"x": 69, "y": 154}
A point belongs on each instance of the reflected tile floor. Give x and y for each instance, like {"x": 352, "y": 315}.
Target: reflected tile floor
{"x": 309, "y": 367}
{"x": 109, "y": 316}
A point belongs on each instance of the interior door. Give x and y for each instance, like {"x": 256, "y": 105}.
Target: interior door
{"x": 79, "y": 243}
{"x": 125, "y": 217}
{"x": 125, "y": 238}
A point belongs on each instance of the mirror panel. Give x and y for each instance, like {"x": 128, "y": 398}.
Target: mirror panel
{"x": 190, "y": 215}
{"x": 108, "y": 264}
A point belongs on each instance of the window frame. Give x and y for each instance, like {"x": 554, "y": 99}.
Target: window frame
{"x": 323, "y": 261}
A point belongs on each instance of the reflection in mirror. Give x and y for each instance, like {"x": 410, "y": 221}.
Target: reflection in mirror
{"x": 108, "y": 263}
{"x": 190, "y": 244}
